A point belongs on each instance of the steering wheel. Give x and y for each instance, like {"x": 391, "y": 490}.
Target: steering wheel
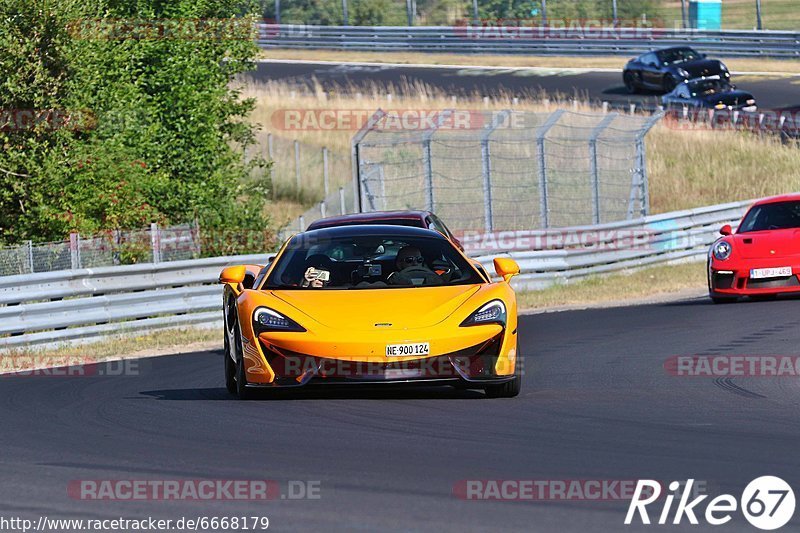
{"x": 405, "y": 276}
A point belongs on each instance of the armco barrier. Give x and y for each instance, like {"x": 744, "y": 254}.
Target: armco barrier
{"x": 682, "y": 235}
{"x": 525, "y": 40}
{"x": 71, "y": 305}
{"x": 74, "y": 305}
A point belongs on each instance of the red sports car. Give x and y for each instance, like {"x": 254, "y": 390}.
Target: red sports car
{"x": 762, "y": 259}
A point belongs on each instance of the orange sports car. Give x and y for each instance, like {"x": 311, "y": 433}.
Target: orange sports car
{"x": 370, "y": 304}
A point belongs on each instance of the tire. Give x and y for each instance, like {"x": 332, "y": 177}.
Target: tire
{"x": 669, "y": 84}
{"x": 230, "y": 368}
{"x": 229, "y": 322}
{"x": 508, "y": 389}
{"x": 242, "y": 392}
{"x": 630, "y": 82}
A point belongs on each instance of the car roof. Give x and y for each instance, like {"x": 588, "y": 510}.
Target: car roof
{"x": 367, "y": 230}
{"x": 370, "y": 216}
{"x": 791, "y": 197}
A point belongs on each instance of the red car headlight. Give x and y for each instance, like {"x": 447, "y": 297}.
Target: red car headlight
{"x": 722, "y": 250}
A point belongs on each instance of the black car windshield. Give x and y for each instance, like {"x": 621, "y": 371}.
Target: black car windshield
{"x": 370, "y": 262}
{"x": 678, "y": 55}
{"x": 778, "y": 215}
{"x": 709, "y": 87}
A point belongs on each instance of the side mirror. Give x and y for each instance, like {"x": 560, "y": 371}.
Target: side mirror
{"x": 233, "y": 274}
{"x": 704, "y": 56}
{"x": 506, "y": 268}
{"x": 270, "y": 259}
{"x": 725, "y": 230}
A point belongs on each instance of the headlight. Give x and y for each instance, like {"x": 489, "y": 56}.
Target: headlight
{"x": 683, "y": 73}
{"x": 722, "y": 250}
{"x": 723, "y": 68}
{"x": 266, "y": 319}
{"x": 751, "y": 101}
{"x": 492, "y": 313}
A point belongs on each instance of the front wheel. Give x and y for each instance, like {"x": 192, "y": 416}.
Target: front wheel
{"x": 669, "y": 84}
{"x": 509, "y": 389}
{"x": 230, "y": 368}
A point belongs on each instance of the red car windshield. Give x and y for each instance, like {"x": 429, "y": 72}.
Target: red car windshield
{"x": 778, "y": 215}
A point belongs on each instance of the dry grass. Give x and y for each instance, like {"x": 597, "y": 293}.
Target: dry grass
{"x": 647, "y": 283}
{"x": 686, "y": 168}
{"x": 166, "y": 341}
{"x": 777, "y": 66}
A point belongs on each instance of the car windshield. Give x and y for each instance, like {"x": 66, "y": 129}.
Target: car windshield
{"x": 709, "y": 87}
{"x": 369, "y": 262}
{"x": 678, "y": 55}
{"x": 778, "y": 215}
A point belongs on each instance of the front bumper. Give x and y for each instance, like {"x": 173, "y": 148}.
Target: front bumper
{"x": 489, "y": 361}
{"x": 736, "y": 281}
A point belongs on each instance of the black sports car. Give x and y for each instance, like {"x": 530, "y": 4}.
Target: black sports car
{"x": 709, "y": 93}
{"x": 663, "y": 70}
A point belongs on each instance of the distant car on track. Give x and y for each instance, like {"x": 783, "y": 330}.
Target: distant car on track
{"x": 662, "y": 70}
{"x": 709, "y": 93}
{"x": 370, "y": 304}
{"x": 762, "y": 259}
{"x": 419, "y": 219}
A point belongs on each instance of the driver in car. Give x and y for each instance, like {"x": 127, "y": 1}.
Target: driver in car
{"x": 411, "y": 269}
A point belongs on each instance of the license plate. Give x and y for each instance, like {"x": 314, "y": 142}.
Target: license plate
{"x": 779, "y": 272}
{"x": 400, "y": 350}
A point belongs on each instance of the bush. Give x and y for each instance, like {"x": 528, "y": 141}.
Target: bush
{"x": 161, "y": 136}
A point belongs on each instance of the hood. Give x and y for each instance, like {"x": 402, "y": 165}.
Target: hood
{"x": 699, "y": 67}
{"x": 363, "y": 308}
{"x": 767, "y": 244}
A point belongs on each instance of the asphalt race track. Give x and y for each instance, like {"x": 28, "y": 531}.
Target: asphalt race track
{"x": 771, "y": 92}
{"x": 596, "y": 403}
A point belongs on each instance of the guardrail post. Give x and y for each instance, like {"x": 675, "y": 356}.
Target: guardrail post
{"x": 540, "y": 136}
{"x": 325, "y": 177}
{"x": 342, "y": 207}
{"x": 30, "y": 256}
{"x": 74, "y": 250}
{"x": 595, "y": 175}
{"x": 155, "y": 242}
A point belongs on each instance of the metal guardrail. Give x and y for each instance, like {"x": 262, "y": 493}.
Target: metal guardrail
{"x": 53, "y": 308}
{"x": 677, "y": 236}
{"x": 526, "y": 40}
{"x": 72, "y": 305}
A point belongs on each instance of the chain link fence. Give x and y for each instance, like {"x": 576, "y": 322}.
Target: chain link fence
{"x": 151, "y": 245}
{"x": 507, "y": 170}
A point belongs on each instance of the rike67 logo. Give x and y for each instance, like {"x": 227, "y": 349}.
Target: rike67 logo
{"x": 767, "y": 503}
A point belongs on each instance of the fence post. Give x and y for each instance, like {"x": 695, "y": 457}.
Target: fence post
{"x": 270, "y": 151}
{"x": 323, "y": 209}
{"x": 302, "y": 222}
{"x": 595, "y": 175}
{"x": 540, "y": 135}
{"x": 355, "y": 157}
{"x": 342, "y": 207}
{"x": 74, "y": 250}
{"x": 277, "y": 11}
{"x": 30, "y": 255}
{"x": 758, "y": 14}
{"x": 297, "y": 165}
{"x": 427, "y": 163}
{"x": 641, "y": 163}
{"x": 345, "y": 17}
{"x": 325, "y": 176}
{"x": 486, "y": 169}
{"x": 155, "y": 242}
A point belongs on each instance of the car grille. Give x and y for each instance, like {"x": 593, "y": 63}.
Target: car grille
{"x": 773, "y": 283}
